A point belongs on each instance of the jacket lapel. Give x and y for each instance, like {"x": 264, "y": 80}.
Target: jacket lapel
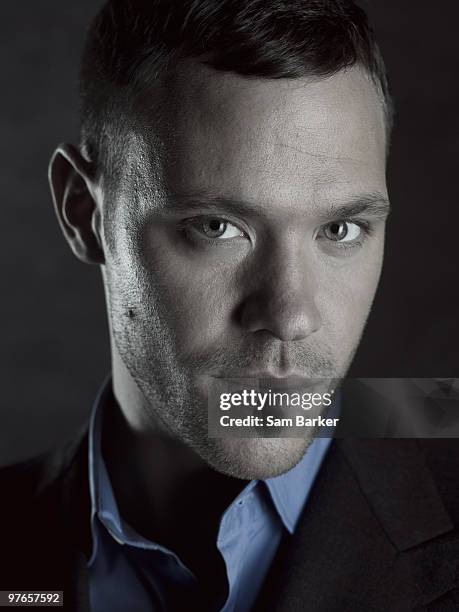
{"x": 374, "y": 535}
{"x": 76, "y": 508}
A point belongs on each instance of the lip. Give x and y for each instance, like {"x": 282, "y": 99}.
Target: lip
{"x": 268, "y": 379}
{"x": 291, "y": 377}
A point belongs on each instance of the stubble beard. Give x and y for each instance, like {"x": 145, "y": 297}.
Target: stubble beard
{"x": 175, "y": 406}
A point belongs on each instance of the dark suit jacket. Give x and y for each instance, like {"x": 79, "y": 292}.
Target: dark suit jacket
{"x": 379, "y": 531}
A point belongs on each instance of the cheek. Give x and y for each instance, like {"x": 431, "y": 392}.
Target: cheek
{"x": 347, "y": 295}
{"x": 197, "y": 304}
{"x": 196, "y": 294}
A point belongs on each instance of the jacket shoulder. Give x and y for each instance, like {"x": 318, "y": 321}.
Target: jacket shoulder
{"x": 38, "y": 548}
{"x": 28, "y": 482}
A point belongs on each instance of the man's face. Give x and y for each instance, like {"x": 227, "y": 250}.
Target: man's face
{"x": 246, "y": 240}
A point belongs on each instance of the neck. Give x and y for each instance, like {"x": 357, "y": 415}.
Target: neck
{"x": 164, "y": 490}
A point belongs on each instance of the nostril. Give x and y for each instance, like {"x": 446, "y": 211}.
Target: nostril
{"x": 284, "y": 319}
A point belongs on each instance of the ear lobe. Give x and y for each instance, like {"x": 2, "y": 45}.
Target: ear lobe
{"x": 75, "y": 204}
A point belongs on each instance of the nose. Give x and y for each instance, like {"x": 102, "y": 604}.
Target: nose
{"x": 282, "y": 301}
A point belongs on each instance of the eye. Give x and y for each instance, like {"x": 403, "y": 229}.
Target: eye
{"x": 342, "y": 231}
{"x": 216, "y": 228}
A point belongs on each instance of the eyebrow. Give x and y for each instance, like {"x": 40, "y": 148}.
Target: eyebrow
{"x": 373, "y": 204}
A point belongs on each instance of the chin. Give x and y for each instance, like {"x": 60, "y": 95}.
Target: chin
{"x": 255, "y": 458}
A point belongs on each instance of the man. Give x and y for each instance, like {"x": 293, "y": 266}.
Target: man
{"x": 231, "y": 186}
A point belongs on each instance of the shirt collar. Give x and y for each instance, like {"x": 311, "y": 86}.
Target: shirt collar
{"x": 103, "y": 502}
{"x": 289, "y": 491}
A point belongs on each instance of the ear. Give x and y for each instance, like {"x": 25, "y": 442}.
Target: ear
{"x": 73, "y": 191}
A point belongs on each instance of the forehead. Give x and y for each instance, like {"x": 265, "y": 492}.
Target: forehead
{"x": 282, "y": 141}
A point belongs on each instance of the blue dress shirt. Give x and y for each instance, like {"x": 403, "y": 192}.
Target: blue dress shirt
{"x": 129, "y": 573}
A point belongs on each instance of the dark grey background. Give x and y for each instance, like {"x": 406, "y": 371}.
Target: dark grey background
{"x": 54, "y": 349}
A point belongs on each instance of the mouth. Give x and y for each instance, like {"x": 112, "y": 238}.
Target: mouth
{"x": 265, "y": 380}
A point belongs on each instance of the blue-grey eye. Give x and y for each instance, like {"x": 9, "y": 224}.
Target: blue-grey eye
{"x": 216, "y": 228}
{"x": 342, "y": 231}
